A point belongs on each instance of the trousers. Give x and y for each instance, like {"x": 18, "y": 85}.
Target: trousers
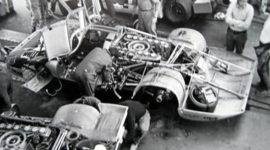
{"x": 38, "y": 9}
{"x": 146, "y": 23}
{"x": 236, "y": 40}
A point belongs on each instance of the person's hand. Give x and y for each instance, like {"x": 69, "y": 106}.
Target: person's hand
{"x": 154, "y": 20}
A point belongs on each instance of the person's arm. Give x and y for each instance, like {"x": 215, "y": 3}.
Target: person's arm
{"x": 92, "y": 101}
{"x": 130, "y": 128}
{"x": 246, "y": 23}
{"x": 157, "y": 6}
{"x": 229, "y": 16}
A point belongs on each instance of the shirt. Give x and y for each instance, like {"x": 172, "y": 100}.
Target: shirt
{"x": 265, "y": 33}
{"x": 239, "y": 19}
{"x": 145, "y": 5}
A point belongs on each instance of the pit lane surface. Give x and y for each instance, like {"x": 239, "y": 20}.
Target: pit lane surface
{"x": 168, "y": 131}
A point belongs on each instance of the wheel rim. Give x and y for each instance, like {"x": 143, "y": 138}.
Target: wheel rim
{"x": 177, "y": 11}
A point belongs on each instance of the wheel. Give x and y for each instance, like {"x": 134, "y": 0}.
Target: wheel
{"x": 196, "y": 103}
{"x": 178, "y": 11}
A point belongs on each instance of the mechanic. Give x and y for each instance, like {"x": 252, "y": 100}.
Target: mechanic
{"x": 94, "y": 70}
{"x": 111, "y": 9}
{"x": 263, "y": 52}
{"x": 264, "y": 73}
{"x": 38, "y": 9}
{"x": 264, "y": 36}
{"x": 89, "y": 100}
{"x": 148, "y": 13}
{"x": 137, "y": 114}
{"x": 5, "y": 92}
{"x": 238, "y": 17}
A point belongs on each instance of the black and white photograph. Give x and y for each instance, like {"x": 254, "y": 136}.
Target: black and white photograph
{"x": 134, "y": 74}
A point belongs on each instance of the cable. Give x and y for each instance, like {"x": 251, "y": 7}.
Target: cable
{"x": 58, "y": 77}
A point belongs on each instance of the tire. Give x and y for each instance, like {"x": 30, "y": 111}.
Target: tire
{"x": 195, "y": 104}
{"x": 178, "y": 11}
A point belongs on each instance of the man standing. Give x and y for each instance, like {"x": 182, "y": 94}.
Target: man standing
{"x": 148, "y": 13}
{"x": 239, "y": 17}
{"x": 137, "y": 113}
{"x": 38, "y": 12}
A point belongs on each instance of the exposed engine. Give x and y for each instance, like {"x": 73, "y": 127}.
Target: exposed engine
{"x": 143, "y": 48}
{"x": 20, "y": 134}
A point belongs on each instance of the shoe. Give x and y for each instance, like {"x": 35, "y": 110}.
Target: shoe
{"x": 133, "y": 147}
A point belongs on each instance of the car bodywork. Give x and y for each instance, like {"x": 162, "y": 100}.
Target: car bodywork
{"x": 176, "y": 11}
{"x": 208, "y": 83}
{"x": 70, "y": 128}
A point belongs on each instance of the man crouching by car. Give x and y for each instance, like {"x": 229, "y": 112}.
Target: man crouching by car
{"x": 94, "y": 70}
{"x": 5, "y": 92}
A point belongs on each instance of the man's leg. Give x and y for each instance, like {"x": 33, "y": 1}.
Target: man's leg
{"x": 34, "y": 15}
{"x": 144, "y": 124}
{"x": 5, "y": 92}
{"x": 141, "y": 21}
{"x": 264, "y": 70}
{"x": 111, "y": 9}
{"x": 33, "y": 22}
{"x": 41, "y": 14}
{"x": 230, "y": 40}
{"x": 150, "y": 26}
{"x": 153, "y": 29}
{"x": 240, "y": 42}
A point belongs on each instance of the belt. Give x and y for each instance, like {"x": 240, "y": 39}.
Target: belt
{"x": 237, "y": 32}
{"x": 147, "y": 10}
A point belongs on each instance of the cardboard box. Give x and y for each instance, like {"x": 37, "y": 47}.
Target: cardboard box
{"x": 202, "y": 6}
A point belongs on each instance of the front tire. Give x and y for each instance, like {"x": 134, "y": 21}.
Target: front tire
{"x": 178, "y": 11}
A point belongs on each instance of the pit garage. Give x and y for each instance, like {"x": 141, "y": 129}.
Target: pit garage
{"x": 169, "y": 73}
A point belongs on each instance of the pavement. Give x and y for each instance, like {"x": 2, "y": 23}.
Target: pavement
{"x": 249, "y": 131}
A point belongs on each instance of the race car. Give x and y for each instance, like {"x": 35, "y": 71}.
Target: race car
{"x": 208, "y": 83}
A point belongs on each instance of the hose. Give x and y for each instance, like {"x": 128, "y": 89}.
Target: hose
{"x": 57, "y": 90}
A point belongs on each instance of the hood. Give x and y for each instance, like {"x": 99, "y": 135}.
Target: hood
{"x": 56, "y": 40}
